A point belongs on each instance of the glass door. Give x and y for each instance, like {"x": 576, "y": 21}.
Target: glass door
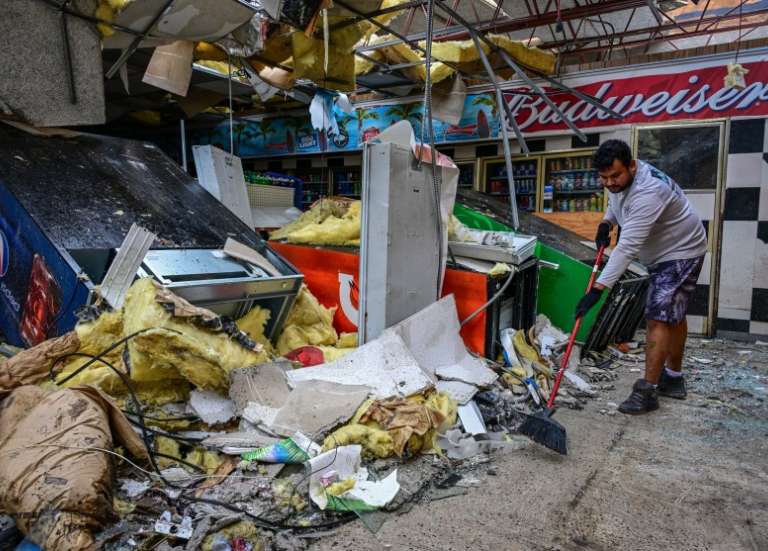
{"x": 347, "y": 181}
{"x": 693, "y": 155}
{"x": 467, "y": 174}
{"x": 525, "y": 172}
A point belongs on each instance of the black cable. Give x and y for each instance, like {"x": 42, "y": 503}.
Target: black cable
{"x": 193, "y": 441}
{"x": 97, "y": 357}
{"x": 137, "y": 404}
{"x": 197, "y": 468}
{"x": 151, "y": 418}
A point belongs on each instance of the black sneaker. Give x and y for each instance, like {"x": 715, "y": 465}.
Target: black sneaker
{"x": 672, "y": 387}
{"x": 642, "y": 400}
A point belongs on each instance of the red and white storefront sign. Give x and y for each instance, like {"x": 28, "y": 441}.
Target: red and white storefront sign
{"x": 678, "y": 94}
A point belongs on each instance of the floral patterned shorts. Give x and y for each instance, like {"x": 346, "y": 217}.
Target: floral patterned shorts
{"x": 672, "y": 285}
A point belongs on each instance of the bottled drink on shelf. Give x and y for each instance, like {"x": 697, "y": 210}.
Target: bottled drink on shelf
{"x": 548, "y": 197}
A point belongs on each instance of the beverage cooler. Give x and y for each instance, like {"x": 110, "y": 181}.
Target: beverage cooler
{"x": 467, "y": 173}
{"x": 525, "y": 171}
{"x": 571, "y": 184}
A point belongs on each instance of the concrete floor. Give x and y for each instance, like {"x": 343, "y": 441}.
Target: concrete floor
{"x": 691, "y": 476}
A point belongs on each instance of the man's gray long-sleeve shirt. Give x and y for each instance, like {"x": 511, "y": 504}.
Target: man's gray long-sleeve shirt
{"x": 657, "y": 224}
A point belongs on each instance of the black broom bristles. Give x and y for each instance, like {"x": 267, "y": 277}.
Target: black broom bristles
{"x": 542, "y": 429}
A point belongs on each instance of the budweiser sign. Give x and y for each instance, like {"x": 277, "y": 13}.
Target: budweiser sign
{"x": 697, "y": 94}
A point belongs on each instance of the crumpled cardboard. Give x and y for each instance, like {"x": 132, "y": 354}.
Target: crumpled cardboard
{"x": 387, "y": 427}
{"x": 33, "y": 365}
{"x": 59, "y": 491}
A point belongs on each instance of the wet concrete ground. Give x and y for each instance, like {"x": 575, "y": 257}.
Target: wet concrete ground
{"x": 691, "y": 476}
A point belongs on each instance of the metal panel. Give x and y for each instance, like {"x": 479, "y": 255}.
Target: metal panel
{"x": 122, "y": 271}
{"x": 399, "y": 257}
{"x": 221, "y": 174}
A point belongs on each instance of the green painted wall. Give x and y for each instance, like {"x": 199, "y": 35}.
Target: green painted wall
{"x": 559, "y": 290}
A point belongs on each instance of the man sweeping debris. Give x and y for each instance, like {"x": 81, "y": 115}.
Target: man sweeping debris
{"x": 660, "y": 228}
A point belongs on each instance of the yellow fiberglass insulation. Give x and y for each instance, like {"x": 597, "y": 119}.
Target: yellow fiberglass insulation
{"x": 317, "y": 214}
{"x": 253, "y": 324}
{"x": 375, "y": 442}
{"x": 333, "y": 230}
{"x": 308, "y": 323}
{"x": 347, "y": 340}
{"x": 169, "y": 347}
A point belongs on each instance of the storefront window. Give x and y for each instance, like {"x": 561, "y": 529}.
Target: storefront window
{"x": 688, "y": 154}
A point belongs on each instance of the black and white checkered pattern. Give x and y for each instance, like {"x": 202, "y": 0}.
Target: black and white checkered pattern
{"x": 743, "y": 291}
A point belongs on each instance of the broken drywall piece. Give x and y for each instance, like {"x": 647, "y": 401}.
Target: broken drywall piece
{"x": 385, "y": 365}
{"x": 468, "y": 372}
{"x": 263, "y": 383}
{"x": 261, "y": 416}
{"x": 433, "y": 338}
{"x": 318, "y": 406}
{"x": 235, "y": 443}
{"x": 472, "y": 419}
{"x": 170, "y": 67}
{"x": 211, "y": 407}
{"x": 459, "y": 391}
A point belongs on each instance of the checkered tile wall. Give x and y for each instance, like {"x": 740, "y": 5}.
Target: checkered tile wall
{"x": 743, "y": 294}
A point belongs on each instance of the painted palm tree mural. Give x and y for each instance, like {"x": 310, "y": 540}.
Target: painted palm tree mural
{"x": 293, "y": 126}
{"x": 362, "y": 115}
{"x": 410, "y": 112}
{"x": 264, "y": 129}
{"x": 483, "y": 127}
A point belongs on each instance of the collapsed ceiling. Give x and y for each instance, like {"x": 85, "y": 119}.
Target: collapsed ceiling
{"x": 174, "y": 56}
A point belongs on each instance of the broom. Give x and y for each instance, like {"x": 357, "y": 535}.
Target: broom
{"x": 540, "y": 427}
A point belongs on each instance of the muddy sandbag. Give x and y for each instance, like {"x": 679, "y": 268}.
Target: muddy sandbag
{"x": 52, "y": 478}
{"x": 32, "y": 366}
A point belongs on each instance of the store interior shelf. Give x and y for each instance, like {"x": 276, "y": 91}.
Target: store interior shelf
{"x": 572, "y": 171}
{"x": 527, "y": 177}
{"x": 592, "y": 191}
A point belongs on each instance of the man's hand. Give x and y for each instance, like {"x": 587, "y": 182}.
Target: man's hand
{"x": 603, "y": 236}
{"x": 588, "y": 301}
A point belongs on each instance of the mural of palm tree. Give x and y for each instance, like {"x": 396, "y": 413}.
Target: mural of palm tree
{"x": 264, "y": 130}
{"x": 483, "y": 127}
{"x": 362, "y": 115}
{"x": 489, "y": 101}
{"x": 293, "y": 125}
{"x": 407, "y": 112}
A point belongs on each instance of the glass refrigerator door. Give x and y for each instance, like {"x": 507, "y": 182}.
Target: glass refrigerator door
{"x": 467, "y": 171}
{"x": 525, "y": 173}
{"x": 347, "y": 181}
{"x": 572, "y": 184}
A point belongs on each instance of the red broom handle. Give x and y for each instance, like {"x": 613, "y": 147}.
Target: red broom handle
{"x": 574, "y": 331}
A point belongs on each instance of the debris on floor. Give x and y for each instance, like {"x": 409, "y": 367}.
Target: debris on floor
{"x": 233, "y": 446}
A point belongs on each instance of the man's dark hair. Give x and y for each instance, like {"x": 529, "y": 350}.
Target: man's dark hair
{"x": 610, "y": 151}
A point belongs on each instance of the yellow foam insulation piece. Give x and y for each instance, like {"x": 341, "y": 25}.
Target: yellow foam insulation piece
{"x": 347, "y": 340}
{"x": 499, "y": 269}
{"x": 171, "y": 347}
{"x": 309, "y": 55}
{"x": 210, "y": 52}
{"x": 464, "y": 51}
{"x": 148, "y": 117}
{"x": 242, "y": 529}
{"x": 308, "y": 323}
{"x": 208, "y": 460}
{"x": 375, "y": 442}
{"x": 106, "y": 11}
{"x": 333, "y": 353}
{"x": 317, "y": 214}
{"x": 341, "y": 487}
{"x": 221, "y": 67}
{"x": 167, "y": 446}
{"x": 253, "y": 324}
{"x": 341, "y": 230}
{"x": 402, "y": 53}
